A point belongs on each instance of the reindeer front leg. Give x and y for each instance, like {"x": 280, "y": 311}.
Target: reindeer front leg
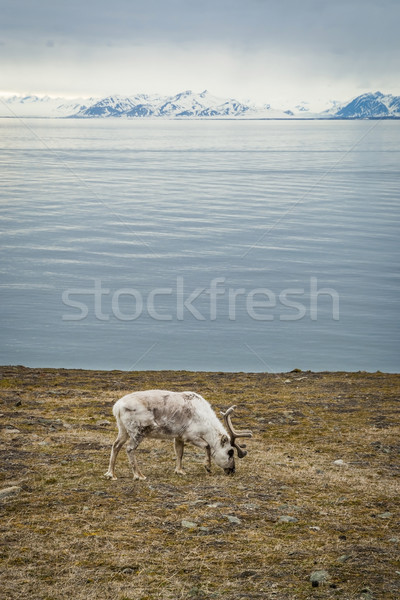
{"x": 207, "y": 462}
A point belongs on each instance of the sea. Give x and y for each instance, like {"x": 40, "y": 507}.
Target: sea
{"x": 201, "y": 245}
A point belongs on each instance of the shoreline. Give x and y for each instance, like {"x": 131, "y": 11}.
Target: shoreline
{"x": 164, "y": 371}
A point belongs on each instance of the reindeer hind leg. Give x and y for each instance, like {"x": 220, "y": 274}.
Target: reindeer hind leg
{"x": 134, "y": 441}
{"x": 179, "y": 446}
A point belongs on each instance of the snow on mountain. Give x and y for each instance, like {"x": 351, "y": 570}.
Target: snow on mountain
{"x": 112, "y": 106}
{"x": 367, "y": 106}
{"x": 117, "y": 106}
{"x": 41, "y": 106}
{"x": 188, "y": 104}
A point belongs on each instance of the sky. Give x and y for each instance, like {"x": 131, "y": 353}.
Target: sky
{"x": 280, "y": 52}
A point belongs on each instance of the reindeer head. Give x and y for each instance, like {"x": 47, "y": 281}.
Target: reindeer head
{"x": 231, "y": 443}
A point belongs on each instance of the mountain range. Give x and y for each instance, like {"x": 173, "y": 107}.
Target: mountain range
{"x": 192, "y": 105}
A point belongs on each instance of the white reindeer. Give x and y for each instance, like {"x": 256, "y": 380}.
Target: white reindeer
{"x": 183, "y": 416}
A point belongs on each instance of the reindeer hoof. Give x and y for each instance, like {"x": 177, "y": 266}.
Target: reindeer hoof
{"x": 139, "y": 477}
{"x": 180, "y": 472}
{"x": 109, "y": 475}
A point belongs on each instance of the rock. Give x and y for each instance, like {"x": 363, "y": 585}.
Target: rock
{"x": 344, "y": 558}
{"x": 214, "y": 505}
{"x": 246, "y": 574}
{"x": 315, "y": 528}
{"x": 287, "y": 519}
{"x": 188, "y": 524}
{"x": 339, "y": 462}
{"x": 366, "y": 594}
{"x": 395, "y": 540}
{"x": 233, "y": 519}
{"x": 251, "y": 506}
{"x": 10, "y": 491}
{"x": 318, "y": 577}
{"x": 385, "y": 515}
{"x": 204, "y": 529}
{"x": 11, "y": 430}
{"x": 289, "y": 507}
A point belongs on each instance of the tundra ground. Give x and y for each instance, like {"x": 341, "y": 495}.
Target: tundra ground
{"x": 66, "y": 532}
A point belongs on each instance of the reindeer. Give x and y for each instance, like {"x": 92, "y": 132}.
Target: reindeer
{"x": 183, "y": 416}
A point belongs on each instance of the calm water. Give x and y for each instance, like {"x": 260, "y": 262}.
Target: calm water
{"x": 239, "y": 246}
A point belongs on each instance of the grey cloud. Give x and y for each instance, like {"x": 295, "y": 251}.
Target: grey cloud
{"x": 350, "y": 25}
{"x": 274, "y": 41}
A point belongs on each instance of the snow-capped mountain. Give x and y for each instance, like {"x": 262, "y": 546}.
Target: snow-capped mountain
{"x": 188, "y": 104}
{"x": 183, "y": 105}
{"x": 367, "y": 106}
{"x": 41, "y": 106}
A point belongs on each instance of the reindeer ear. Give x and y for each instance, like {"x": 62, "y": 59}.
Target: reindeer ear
{"x": 224, "y": 440}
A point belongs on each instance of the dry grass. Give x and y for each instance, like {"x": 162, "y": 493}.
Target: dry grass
{"x": 72, "y": 534}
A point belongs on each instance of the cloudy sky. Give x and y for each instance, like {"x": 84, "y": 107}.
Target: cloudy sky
{"x": 271, "y": 51}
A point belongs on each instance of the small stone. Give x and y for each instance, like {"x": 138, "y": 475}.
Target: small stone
{"x": 215, "y": 505}
{"x": 344, "y": 558}
{"x": 10, "y": 491}
{"x": 246, "y": 574}
{"x": 318, "y": 577}
{"x": 204, "y": 529}
{"x": 188, "y": 524}
{"x": 289, "y": 507}
{"x": 385, "y": 515}
{"x": 315, "y": 528}
{"x": 394, "y": 540}
{"x": 366, "y": 594}
{"x": 287, "y": 519}
{"x": 339, "y": 462}
{"x": 233, "y": 520}
{"x": 12, "y": 430}
{"x": 288, "y": 381}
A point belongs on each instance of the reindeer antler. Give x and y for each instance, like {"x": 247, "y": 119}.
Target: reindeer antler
{"x": 235, "y": 434}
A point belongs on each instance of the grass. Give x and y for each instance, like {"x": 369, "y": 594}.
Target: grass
{"x": 70, "y": 533}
